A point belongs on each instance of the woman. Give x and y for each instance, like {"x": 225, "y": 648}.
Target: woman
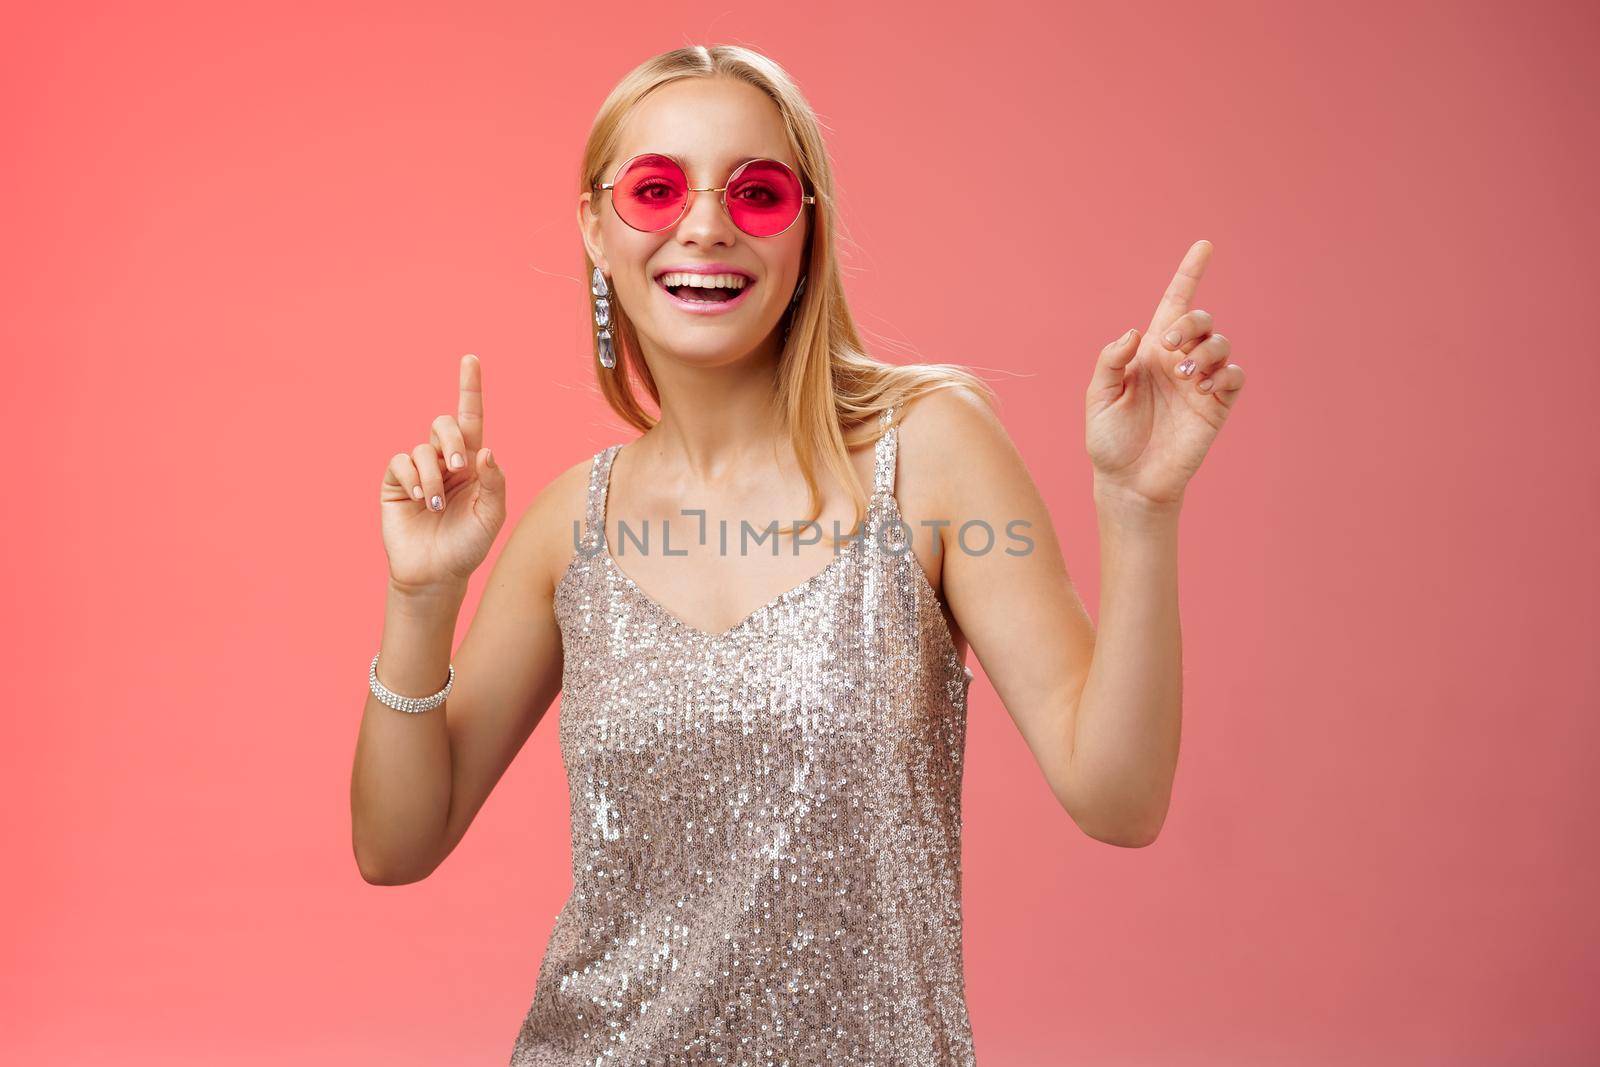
{"x": 765, "y": 801}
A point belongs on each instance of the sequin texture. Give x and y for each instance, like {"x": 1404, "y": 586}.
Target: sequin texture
{"x": 766, "y": 822}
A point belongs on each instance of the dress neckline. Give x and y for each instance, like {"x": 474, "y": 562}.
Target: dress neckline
{"x": 882, "y": 496}
{"x": 882, "y": 505}
{"x": 670, "y": 617}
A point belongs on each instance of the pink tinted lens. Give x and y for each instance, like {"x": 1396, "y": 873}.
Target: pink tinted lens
{"x": 764, "y": 198}
{"x": 649, "y": 193}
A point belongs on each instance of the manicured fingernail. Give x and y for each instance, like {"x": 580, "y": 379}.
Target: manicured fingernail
{"x": 416, "y": 492}
{"x": 1186, "y": 368}
{"x": 436, "y": 503}
{"x": 1205, "y": 386}
{"x": 456, "y": 462}
{"x": 1173, "y": 338}
{"x": 488, "y": 457}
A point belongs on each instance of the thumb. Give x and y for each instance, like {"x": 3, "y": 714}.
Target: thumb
{"x": 1114, "y": 359}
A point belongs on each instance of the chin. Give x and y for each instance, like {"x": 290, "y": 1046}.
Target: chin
{"x": 708, "y": 351}
{"x": 710, "y": 344}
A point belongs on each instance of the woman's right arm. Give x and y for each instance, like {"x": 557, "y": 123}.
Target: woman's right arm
{"x": 420, "y": 778}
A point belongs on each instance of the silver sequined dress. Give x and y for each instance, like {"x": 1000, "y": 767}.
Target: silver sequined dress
{"x": 766, "y": 822}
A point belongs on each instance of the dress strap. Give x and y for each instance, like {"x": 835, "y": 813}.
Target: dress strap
{"x": 594, "y": 515}
{"x": 888, "y": 447}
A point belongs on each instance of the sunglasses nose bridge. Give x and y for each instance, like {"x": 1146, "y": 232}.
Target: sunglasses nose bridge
{"x": 689, "y": 198}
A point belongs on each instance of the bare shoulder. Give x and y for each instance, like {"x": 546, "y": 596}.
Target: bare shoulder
{"x": 543, "y": 542}
{"x": 948, "y": 438}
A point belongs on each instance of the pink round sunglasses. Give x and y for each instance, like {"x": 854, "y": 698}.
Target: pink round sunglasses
{"x": 650, "y": 192}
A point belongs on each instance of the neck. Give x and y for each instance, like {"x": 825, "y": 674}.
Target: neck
{"x": 715, "y": 417}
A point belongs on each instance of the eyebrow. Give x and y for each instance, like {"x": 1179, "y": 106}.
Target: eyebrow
{"x": 741, "y": 161}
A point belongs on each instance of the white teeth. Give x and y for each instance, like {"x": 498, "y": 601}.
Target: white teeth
{"x": 703, "y": 281}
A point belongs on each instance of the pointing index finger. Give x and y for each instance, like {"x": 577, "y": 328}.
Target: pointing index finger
{"x": 469, "y": 412}
{"x": 1179, "y": 297}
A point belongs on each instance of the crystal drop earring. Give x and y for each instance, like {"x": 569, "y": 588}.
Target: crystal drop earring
{"x": 602, "y": 318}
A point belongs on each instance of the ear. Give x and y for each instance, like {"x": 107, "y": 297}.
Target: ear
{"x": 589, "y": 228}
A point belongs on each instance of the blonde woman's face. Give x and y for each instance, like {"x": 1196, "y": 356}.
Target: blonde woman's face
{"x": 710, "y": 126}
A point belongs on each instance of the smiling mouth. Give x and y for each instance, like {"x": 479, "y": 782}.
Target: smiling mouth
{"x": 706, "y": 294}
{"x": 705, "y": 298}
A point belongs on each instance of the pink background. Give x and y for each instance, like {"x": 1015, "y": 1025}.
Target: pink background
{"x": 247, "y": 244}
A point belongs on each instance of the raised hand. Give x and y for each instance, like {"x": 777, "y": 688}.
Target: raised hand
{"x": 1156, "y": 403}
{"x": 445, "y": 500}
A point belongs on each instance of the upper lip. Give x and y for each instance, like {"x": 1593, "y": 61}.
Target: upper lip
{"x": 705, "y": 268}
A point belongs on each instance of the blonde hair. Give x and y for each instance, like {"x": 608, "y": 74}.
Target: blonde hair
{"x": 830, "y": 393}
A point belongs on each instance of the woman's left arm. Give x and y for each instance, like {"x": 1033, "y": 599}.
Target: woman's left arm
{"x": 1100, "y": 711}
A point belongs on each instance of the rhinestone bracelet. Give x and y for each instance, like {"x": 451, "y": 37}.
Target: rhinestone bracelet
{"x": 409, "y": 704}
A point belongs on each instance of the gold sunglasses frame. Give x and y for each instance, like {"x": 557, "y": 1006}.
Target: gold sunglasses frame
{"x": 722, "y": 192}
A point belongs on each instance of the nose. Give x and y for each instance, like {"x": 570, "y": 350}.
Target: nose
{"x": 705, "y": 222}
